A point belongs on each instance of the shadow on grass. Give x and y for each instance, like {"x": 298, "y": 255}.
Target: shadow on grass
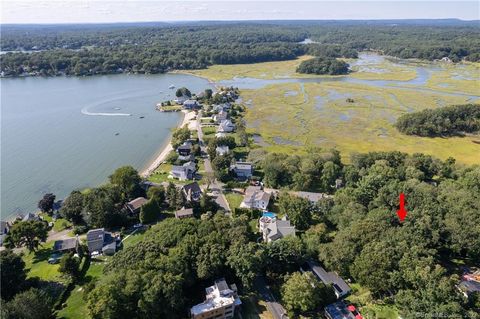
{"x": 42, "y": 254}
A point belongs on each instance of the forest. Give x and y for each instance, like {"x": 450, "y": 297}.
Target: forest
{"x": 445, "y": 121}
{"x": 104, "y": 49}
{"x": 323, "y": 65}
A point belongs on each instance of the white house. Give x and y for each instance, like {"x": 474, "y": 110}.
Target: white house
{"x": 255, "y": 198}
{"x": 226, "y": 127}
{"x": 220, "y": 116}
{"x": 222, "y": 150}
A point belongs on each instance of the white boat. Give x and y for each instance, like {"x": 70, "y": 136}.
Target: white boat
{"x": 171, "y": 86}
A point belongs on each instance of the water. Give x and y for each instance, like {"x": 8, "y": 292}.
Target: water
{"x": 65, "y": 133}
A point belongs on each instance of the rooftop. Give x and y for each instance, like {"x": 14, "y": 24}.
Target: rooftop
{"x": 137, "y": 203}
{"x": 217, "y": 296}
{"x": 65, "y": 244}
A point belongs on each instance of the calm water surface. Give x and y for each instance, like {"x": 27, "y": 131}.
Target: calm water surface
{"x": 65, "y": 133}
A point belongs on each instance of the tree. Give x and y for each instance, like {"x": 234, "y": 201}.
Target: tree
{"x": 27, "y": 234}
{"x": 46, "y": 203}
{"x": 208, "y": 94}
{"x": 150, "y": 211}
{"x": 102, "y": 206}
{"x": 303, "y": 293}
{"x": 12, "y": 274}
{"x": 179, "y": 136}
{"x": 245, "y": 260}
{"x": 183, "y": 91}
{"x": 128, "y": 180}
{"x": 30, "y": 304}
{"x": 330, "y": 173}
{"x": 298, "y": 209}
{"x": 72, "y": 207}
{"x": 323, "y": 65}
{"x": 70, "y": 265}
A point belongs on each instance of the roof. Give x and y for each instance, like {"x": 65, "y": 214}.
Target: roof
{"x": 242, "y": 165}
{"x": 313, "y": 197}
{"x": 137, "y": 203}
{"x": 65, "y": 244}
{"x": 185, "y": 146}
{"x": 184, "y": 212}
{"x": 95, "y": 234}
{"x": 193, "y": 187}
{"x": 222, "y": 149}
{"x": 329, "y": 278}
{"x": 255, "y": 193}
{"x": 190, "y": 102}
{"x": 280, "y": 229}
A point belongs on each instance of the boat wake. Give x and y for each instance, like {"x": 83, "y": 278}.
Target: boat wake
{"x": 86, "y": 112}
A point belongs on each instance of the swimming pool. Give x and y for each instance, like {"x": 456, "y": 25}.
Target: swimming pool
{"x": 269, "y": 214}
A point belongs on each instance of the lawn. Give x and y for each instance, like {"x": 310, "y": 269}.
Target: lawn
{"x": 362, "y": 297}
{"x": 209, "y": 130}
{"x": 234, "y": 199}
{"x": 161, "y": 174}
{"x": 134, "y": 238}
{"x": 75, "y": 305}
{"x": 37, "y": 264}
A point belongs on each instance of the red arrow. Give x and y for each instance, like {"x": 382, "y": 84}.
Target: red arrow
{"x": 402, "y": 212}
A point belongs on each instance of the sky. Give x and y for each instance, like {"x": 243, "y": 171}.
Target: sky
{"x": 106, "y": 11}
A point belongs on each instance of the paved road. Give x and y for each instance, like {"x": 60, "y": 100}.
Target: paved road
{"x": 216, "y": 187}
{"x": 273, "y": 306}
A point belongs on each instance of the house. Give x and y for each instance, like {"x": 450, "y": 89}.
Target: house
{"x": 192, "y": 192}
{"x": 340, "y": 310}
{"x": 184, "y": 213}
{"x": 338, "y": 183}
{"x": 181, "y": 99}
{"x": 312, "y": 197}
{"x": 255, "y": 198}
{"x": 185, "y": 171}
{"x": 4, "y": 228}
{"x": 30, "y": 216}
{"x": 221, "y": 302}
{"x": 242, "y": 169}
{"x": 275, "y": 229}
{"x": 98, "y": 239}
{"x": 66, "y": 245}
{"x": 220, "y": 116}
{"x": 222, "y": 150}
{"x": 185, "y": 149}
{"x": 191, "y": 104}
{"x": 186, "y": 158}
{"x": 135, "y": 205}
{"x": 340, "y": 287}
{"x": 226, "y": 126}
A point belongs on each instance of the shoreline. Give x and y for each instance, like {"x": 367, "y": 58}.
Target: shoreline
{"x": 167, "y": 147}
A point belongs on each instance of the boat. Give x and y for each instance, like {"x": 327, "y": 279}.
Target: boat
{"x": 116, "y": 134}
{"x": 142, "y": 117}
{"x": 171, "y": 86}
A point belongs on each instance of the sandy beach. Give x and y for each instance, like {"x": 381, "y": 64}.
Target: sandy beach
{"x": 187, "y": 117}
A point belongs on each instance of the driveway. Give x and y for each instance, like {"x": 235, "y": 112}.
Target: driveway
{"x": 275, "y": 308}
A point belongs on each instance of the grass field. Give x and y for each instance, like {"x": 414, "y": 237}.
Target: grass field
{"x": 37, "y": 264}
{"x": 320, "y": 115}
{"x": 234, "y": 200}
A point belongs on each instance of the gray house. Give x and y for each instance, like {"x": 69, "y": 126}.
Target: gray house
{"x": 66, "y": 245}
{"x": 185, "y": 171}
{"x": 226, "y": 126}
{"x": 101, "y": 241}
{"x": 192, "y": 192}
{"x": 191, "y": 104}
{"x": 135, "y": 205}
{"x": 340, "y": 287}
{"x": 242, "y": 169}
{"x": 276, "y": 229}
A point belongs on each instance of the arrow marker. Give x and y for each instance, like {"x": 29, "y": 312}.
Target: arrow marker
{"x": 402, "y": 212}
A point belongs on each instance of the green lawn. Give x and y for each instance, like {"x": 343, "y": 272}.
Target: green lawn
{"x": 61, "y": 224}
{"x": 362, "y": 297}
{"x": 209, "y": 130}
{"x": 75, "y": 305}
{"x": 133, "y": 239}
{"x": 37, "y": 264}
{"x": 234, "y": 199}
{"x": 161, "y": 174}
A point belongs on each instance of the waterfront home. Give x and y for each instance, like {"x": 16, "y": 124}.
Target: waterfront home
{"x": 274, "y": 228}
{"x": 340, "y": 287}
{"x": 221, "y": 302}
{"x": 135, "y": 205}
{"x": 180, "y": 100}
{"x": 184, "y": 172}
{"x": 98, "y": 240}
{"x": 191, "y": 104}
{"x": 30, "y": 216}
{"x": 242, "y": 170}
{"x": 255, "y": 198}
{"x": 66, "y": 245}
{"x": 222, "y": 150}
{"x": 226, "y": 126}
{"x": 220, "y": 116}
{"x": 185, "y": 149}
{"x": 192, "y": 192}
{"x": 186, "y": 158}
{"x": 184, "y": 213}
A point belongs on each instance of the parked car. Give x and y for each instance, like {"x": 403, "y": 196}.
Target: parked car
{"x": 54, "y": 258}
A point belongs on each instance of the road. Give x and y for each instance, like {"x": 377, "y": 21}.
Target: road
{"x": 273, "y": 306}
{"x": 216, "y": 187}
